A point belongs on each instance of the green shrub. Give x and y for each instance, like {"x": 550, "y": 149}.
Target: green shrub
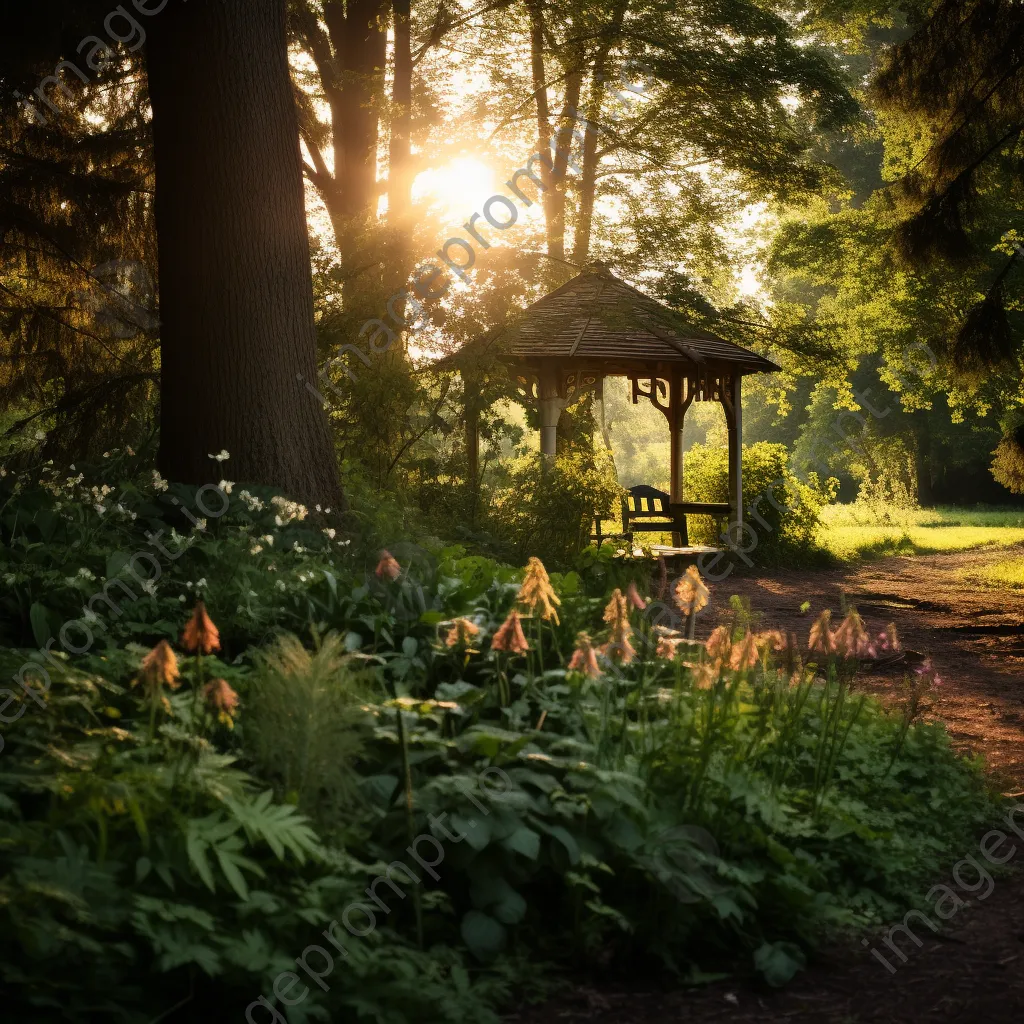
{"x": 306, "y": 724}
{"x": 549, "y": 511}
{"x": 143, "y": 855}
{"x": 1008, "y": 463}
{"x": 782, "y": 511}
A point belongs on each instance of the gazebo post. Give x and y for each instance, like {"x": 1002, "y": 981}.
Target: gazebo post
{"x": 550, "y": 407}
{"x": 733, "y": 404}
{"x": 676, "y": 416}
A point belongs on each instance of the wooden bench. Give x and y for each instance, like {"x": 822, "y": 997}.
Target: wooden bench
{"x": 648, "y": 510}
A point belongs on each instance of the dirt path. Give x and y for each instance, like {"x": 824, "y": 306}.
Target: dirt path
{"x": 974, "y": 972}
{"x": 974, "y": 635}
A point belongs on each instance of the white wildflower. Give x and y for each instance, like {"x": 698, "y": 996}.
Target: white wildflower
{"x": 159, "y": 483}
{"x": 221, "y": 456}
{"x": 226, "y": 485}
{"x": 289, "y": 510}
{"x": 331, "y": 533}
{"x": 40, "y": 435}
{"x": 255, "y": 549}
{"x": 200, "y": 524}
{"x": 268, "y": 540}
{"x": 251, "y": 502}
{"x": 149, "y": 586}
{"x": 85, "y": 574}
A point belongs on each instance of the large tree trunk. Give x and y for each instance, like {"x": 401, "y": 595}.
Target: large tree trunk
{"x": 587, "y": 189}
{"x": 236, "y": 294}
{"x": 400, "y": 161}
{"x": 358, "y": 33}
{"x": 923, "y": 458}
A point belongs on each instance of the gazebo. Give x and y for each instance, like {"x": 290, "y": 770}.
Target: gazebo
{"x": 598, "y": 326}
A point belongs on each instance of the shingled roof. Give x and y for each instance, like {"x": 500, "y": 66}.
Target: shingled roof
{"x": 598, "y": 318}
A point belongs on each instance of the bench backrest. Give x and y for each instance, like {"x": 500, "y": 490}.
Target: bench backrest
{"x": 644, "y": 501}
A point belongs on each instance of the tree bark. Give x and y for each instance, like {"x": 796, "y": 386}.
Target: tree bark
{"x": 236, "y": 294}
{"x": 587, "y": 190}
{"x": 400, "y": 155}
{"x": 923, "y": 458}
{"x": 563, "y": 148}
{"x": 358, "y": 33}
{"x": 549, "y": 198}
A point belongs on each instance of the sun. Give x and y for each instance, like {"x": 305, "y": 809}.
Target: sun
{"x": 457, "y": 188}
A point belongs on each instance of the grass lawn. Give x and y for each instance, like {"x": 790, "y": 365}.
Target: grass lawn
{"x": 861, "y": 531}
{"x": 1007, "y": 572}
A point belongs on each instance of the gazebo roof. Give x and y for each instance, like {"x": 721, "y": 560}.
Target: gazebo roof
{"x": 598, "y": 319}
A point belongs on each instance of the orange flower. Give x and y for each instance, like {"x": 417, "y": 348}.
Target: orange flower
{"x": 510, "y": 635}
{"x": 691, "y": 594}
{"x": 616, "y": 614}
{"x": 707, "y": 674}
{"x": 159, "y": 668}
{"x": 584, "y": 658}
{"x": 634, "y": 598}
{"x": 536, "y": 590}
{"x": 668, "y": 647}
{"x": 821, "y": 640}
{"x": 222, "y": 698}
{"x": 744, "y": 655}
{"x": 461, "y": 634}
{"x": 719, "y": 642}
{"x": 387, "y": 567}
{"x": 851, "y": 638}
{"x": 892, "y": 641}
{"x": 773, "y": 638}
{"x": 200, "y": 633}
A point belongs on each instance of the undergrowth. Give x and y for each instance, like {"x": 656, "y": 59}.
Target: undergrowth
{"x": 187, "y": 801}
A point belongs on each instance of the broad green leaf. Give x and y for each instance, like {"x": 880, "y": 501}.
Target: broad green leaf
{"x": 484, "y": 936}
{"x": 477, "y": 830}
{"x": 40, "y": 624}
{"x": 116, "y": 561}
{"x": 778, "y": 961}
{"x": 523, "y": 840}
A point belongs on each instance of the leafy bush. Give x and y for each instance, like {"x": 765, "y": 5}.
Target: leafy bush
{"x": 682, "y": 807}
{"x": 1008, "y": 464}
{"x": 784, "y": 512}
{"x": 306, "y": 724}
{"x": 549, "y": 511}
